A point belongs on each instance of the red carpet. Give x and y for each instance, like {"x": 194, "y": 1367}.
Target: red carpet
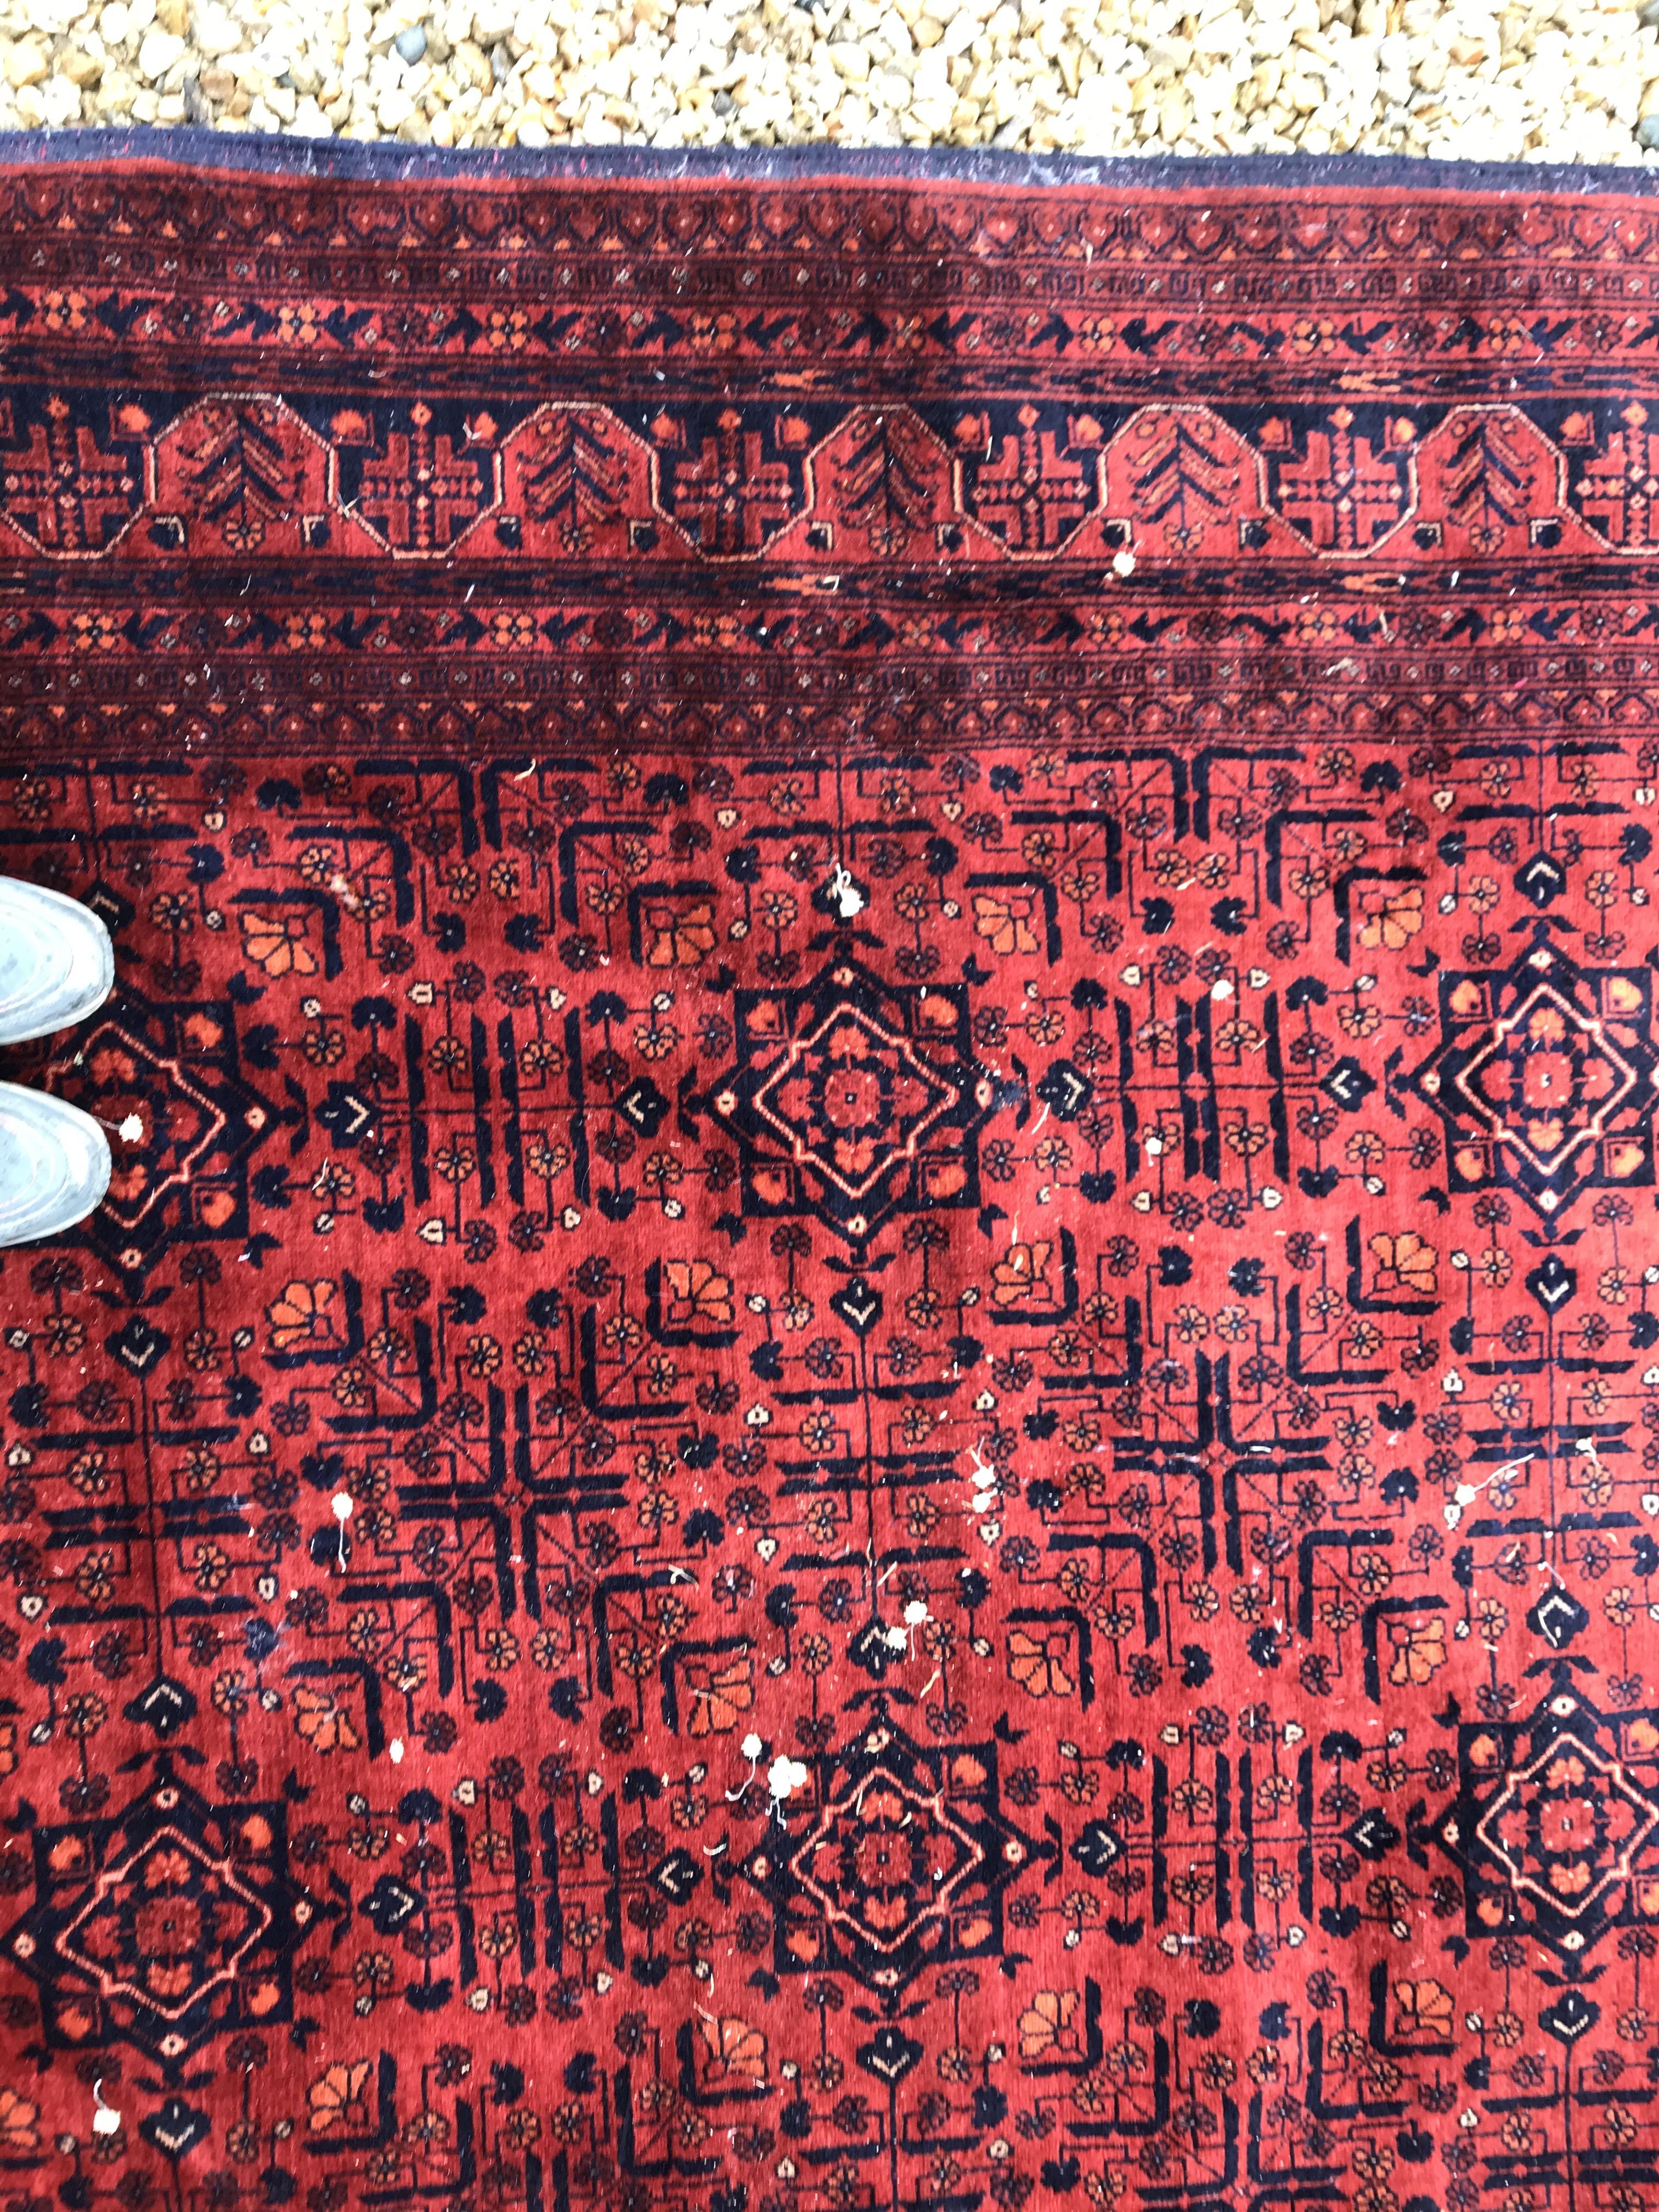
{"x": 885, "y": 960}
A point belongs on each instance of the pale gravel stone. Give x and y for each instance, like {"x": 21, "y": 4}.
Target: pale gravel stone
{"x": 159, "y": 51}
{"x": 1544, "y": 80}
{"x": 27, "y": 64}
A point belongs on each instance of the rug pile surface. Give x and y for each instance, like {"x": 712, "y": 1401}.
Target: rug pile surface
{"x": 869, "y": 1413}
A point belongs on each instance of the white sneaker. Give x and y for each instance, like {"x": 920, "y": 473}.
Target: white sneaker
{"x": 57, "y": 963}
{"x": 54, "y": 1164}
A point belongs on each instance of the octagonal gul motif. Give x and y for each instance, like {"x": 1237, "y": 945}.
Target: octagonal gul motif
{"x": 855, "y": 1099}
{"x": 1544, "y": 1077}
{"x": 1555, "y": 1820}
{"x": 902, "y": 1863}
{"x": 164, "y": 1926}
{"x": 172, "y": 1074}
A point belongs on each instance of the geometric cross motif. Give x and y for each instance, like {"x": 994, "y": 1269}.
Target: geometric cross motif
{"x": 1336, "y": 485}
{"x": 1031, "y": 483}
{"x": 419, "y": 478}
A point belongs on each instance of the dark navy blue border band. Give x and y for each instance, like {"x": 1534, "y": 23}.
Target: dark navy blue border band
{"x": 246, "y": 154}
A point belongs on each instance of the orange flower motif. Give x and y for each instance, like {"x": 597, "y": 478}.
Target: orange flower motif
{"x": 1404, "y": 1263}
{"x": 325, "y": 1726}
{"x": 167, "y": 1869}
{"x": 299, "y": 1314}
{"x": 1422, "y": 2008}
{"x": 695, "y": 1294}
{"x": 1046, "y": 2023}
{"x": 737, "y": 2052}
{"x": 1035, "y": 1663}
{"x": 277, "y": 943}
{"x": 680, "y": 937}
{"x": 17, "y": 2117}
{"x": 1004, "y": 922}
{"x": 720, "y": 1693}
{"x": 1394, "y": 915}
{"x": 1019, "y": 1277}
{"x": 113, "y": 1069}
{"x": 338, "y": 2099}
{"x": 1420, "y": 1651}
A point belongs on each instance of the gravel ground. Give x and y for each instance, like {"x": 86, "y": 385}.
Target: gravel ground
{"x": 1550, "y": 80}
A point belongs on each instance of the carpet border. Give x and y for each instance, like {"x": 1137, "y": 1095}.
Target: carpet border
{"x": 188, "y": 146}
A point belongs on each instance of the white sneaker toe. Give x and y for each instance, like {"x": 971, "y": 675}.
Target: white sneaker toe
{"x": 56, "y": 962}
{"x": 54, "y": 1164}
